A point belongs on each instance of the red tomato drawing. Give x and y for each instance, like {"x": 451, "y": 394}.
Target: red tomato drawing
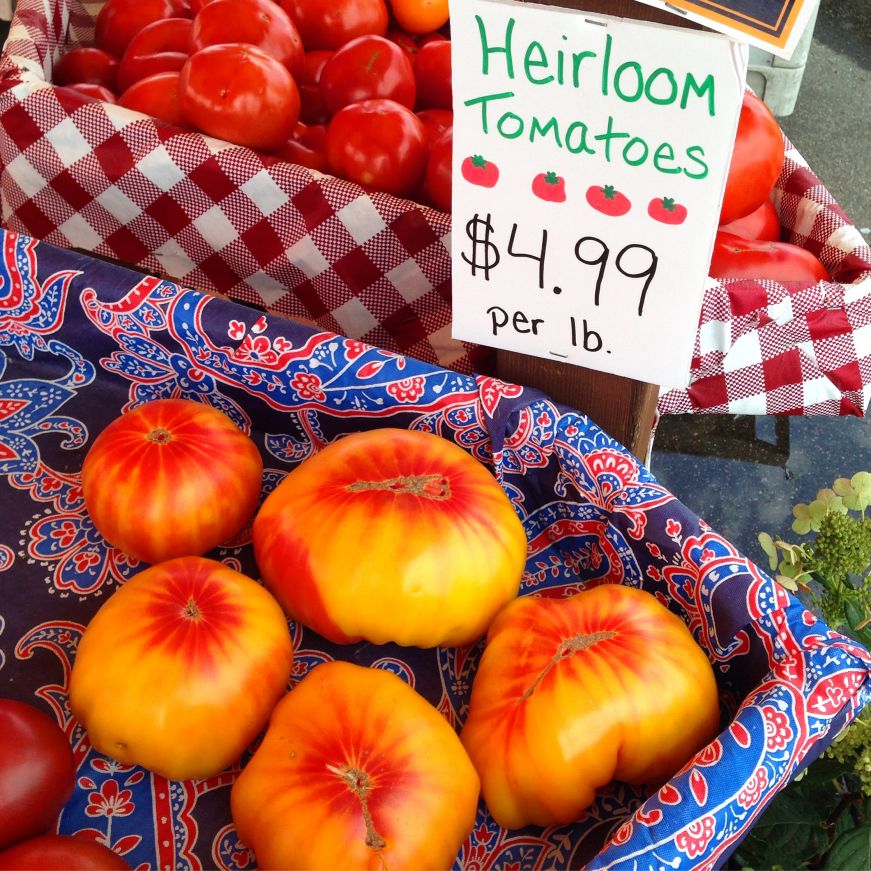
{"x": 480, "y": 171}
{"x": 550, "y": 187}
{"x": 608, "y": 200}
{"x": 666, "y": 210}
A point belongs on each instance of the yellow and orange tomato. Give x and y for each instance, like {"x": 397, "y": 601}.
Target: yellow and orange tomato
{"x": 180, "y": 668}
{"x": 171, "y": 478}
{"x": 391, "y": 535}
{"x": 358, "y": 771}
{"x": 573, "y": 693}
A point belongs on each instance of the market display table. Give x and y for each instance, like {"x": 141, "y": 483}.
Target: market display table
{"x": 82, "y": 340}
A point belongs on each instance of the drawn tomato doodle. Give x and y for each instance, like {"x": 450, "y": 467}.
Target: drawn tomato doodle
{"x": 666, "y": 210}
{"x": 480, "y": 171}
{"x": 608, "y": 200}
{"x": 550, "y": 187}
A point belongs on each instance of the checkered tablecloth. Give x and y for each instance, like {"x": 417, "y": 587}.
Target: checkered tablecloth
{"x": 227, "y": 220}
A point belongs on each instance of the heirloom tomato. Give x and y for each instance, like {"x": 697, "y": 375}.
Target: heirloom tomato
{"x": 391, "y": 535}
{"x": 380, "y": 145}
{"x": 239, "y": 93}
{"x": 757, "y": 158}
{"x": 326, "y": 24}
{"x": 356, "y": 770}
{"x": 157, "y": 96}
{"x": 60, "y": 852}
{"x": 571, "y": 694}
{"x": 438, "y": 184}
{"x": 89, "y": 91}
{"x": 368, "y": 67}
{"x": 306, "y": 146}
{"x": 37, "y": 771}
{"x": 162, "y": 46}
{"x": 86, "y": 64}
{"x": 736, "y": 257}
{"x": 118, "y": 21}
{"x": 172, "y": 477}
{"x": 762, "y": 223}
{"x": 179, "y": 669}
{"x": 257, "y": 22}
{"x": 311, "y": 103}
{"x": 420, "y": 16}
{"x": 432, "y": 74}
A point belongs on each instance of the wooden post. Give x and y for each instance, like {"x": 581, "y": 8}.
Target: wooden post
{"x": 623, "y": 407}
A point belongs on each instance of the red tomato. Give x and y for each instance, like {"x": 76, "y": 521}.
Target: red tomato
{"x": 757, "y": 158}
{"x": 357, "y": 756}
{"x": 180, "y": 668}
{"x": 436, "y": 121}
{"x": 406, "y": 41}
{"x": 380, "y": 145}
{"x": 87, "y": 64}
{"x": 118, "y": 21}
{"x": 447, "y": 550}
{"x": 432, "y": 72}
{"x": 477, "y": 170}
{"x": 239, "y": 93}
{"x": 37, "y": 772}
{"x": 763, "y": 223}
{"x": 171, "y": 477}
{"x": 366, "y": 68}
{"x": 60, "y": 851}
{"x": 737, "y": 257}
{"x": 306, "y": 146}
{"x": 573, "y": 693}
{"x": 439, "y": 168}
{"x": 257, "y": 22}
{"x": 550, "y": 187}
{"x": 312, "y": 109}
{"x": 91, "y": 92}
{"x": 666, "y": 210}
{"x": 326, "y": 24}
{"x": 420, "y": 16}
{"x": 608, "y": 200}
{"x": 162, "y": 46}
{"x": 158, "y": 96}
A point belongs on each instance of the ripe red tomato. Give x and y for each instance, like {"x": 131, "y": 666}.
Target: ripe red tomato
{"x": 239, "y": 93}
{"x": 573, "y": 693}
{"x": 180, "y": 668}
{"x": 37, "y": 772}
{"x": 86, "y": 64}
{"x": 60, "y": 851}
{"x": 608, "y": 200}
{"x": 366, "y": 68}
{"x": 432, "y": 73}
{"x": 666, "y": 210}
{"x": 444, "y": 547}
{"x": 439, "y": 169}
{"x": 162, "y": 46}
{"x": 158, "y": 96}
{"x": 170, "y": 478}
{"x": 325, "y": 24}
{"x": 306, "y": 146}
{"x": 89, "y": 92}
{"x": 550, "y": 187}
{"x": 757, "y": 158}
{"x": 257, "y": 22}
{"x": 477, "y": 170}
{"x": 420, "y": 16}
{"x": 357, "y": 756}
{"x": 436, "y": 121}
{"x": 118, "y": 21}
{"x": 737, "y": 257}
{"x": 763, "y": 223}
{"x": 312, "y": 109}
{"x": 380, "y": 145}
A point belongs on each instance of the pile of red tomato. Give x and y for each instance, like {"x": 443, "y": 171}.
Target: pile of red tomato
{"x": 358, "y": 89}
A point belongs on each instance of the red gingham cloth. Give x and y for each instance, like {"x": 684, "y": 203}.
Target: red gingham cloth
{"x": 227, "y": 220}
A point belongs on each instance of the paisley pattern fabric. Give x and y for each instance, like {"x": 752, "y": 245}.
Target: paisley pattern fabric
{"x": 81, "y": 341}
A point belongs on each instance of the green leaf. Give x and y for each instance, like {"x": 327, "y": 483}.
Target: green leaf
{"x": 767, "y": 543}
{"x": 787, "y": 583}
{"x": 852, "y": 849}
{"x": 861, "y": 486}
{"x": 843, "y": 487}
{"x": 803, "y": 522}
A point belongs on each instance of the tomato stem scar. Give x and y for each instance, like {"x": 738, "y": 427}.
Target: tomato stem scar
{"x": 359, "y": 783}
{"x": 564, "y": 651}
{"x": 191, "y": 610}
{"x": 160, "y": 435}
{"x": 435, "y": 487}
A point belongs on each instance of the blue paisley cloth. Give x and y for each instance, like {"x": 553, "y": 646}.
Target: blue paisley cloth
{"x": 82, "y": 341}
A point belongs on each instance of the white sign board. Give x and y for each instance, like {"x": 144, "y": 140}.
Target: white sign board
{"x": 590, "y": 158}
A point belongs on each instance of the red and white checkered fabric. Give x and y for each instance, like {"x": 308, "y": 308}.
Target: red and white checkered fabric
{"x": 227, "y": 220}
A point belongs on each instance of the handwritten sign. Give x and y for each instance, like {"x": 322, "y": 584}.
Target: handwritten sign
{"x": 590, "y": 157}
{"x": 773, "y": 25}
